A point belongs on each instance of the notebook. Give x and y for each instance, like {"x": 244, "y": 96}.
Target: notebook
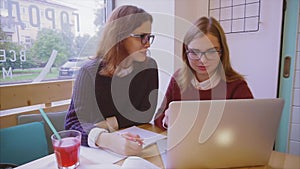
{"x": 149, "y": 137}
{"x": 222, "y": 133}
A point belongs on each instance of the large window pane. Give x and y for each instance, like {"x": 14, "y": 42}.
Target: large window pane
{"x": 47, "y": 39}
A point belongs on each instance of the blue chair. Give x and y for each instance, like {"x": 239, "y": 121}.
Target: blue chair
{"x": 23, "y": 143}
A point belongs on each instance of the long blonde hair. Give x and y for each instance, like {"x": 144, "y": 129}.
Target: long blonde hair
{"x": 202, "y": 27}
{"x": 122, "y": 22}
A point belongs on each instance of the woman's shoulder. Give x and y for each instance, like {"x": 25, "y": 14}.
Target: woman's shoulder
{"x": 239, "y": 89}
{"x": 175, "y": 77}
{"x": 91, "y": 66}
{"x": 151, "y": 62}
{"x": 237, "y": 84}
{"x": 148, "y": 63}
{"x": 91, "y": 63}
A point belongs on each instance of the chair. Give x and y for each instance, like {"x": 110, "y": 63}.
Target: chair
{"x": 22, "y": 143}
{"x": 57, "y": 119}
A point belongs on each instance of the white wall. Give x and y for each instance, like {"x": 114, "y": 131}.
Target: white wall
{"x": 186, "y": 12}
{"x": 256, "y": 54}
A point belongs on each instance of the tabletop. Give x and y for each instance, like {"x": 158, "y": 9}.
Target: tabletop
{"x": 277, "y": 160}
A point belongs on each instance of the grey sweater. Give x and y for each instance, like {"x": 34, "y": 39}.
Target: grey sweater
{"x": 132, "y": 99}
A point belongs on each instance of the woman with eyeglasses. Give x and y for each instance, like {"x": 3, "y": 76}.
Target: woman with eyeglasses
{"x": 118, "y": 88}
{"x": 206, "y": 73}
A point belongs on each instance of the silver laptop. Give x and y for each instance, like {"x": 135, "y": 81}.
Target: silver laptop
{"x": 222, "y": 133}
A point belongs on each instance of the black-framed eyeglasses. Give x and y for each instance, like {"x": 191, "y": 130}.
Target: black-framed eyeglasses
{"x": 195, "y": 54}
{"x": 145, "y": 38}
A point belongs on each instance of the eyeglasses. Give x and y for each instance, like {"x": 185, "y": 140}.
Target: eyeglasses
{"x": 145, "y": 38}
{"x": 195, "y": 54}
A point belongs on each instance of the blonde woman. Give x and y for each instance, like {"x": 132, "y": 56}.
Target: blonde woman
{"x": 206, "y": 73}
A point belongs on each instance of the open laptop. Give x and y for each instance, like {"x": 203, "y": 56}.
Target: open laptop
{"x": 222, "y": 133}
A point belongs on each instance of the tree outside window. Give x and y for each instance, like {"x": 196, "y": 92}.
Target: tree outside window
{"x": 32, "y": 33}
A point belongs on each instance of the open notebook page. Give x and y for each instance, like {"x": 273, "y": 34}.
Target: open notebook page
{"x": 148, "y": 136}
{"x": 100, "y": 156}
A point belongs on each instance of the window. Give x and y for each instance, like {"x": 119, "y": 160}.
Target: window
{"x": 38, "y": 31}
{"x": 3, "y": 4}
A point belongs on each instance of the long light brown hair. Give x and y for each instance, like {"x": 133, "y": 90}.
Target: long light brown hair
{"x": 122, "y": 22}
{"x": 202, "y": 27}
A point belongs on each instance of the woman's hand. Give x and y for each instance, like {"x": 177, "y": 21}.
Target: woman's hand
{"x": 133, "y": 137}
{"x": 125, "y": 144}
{"x": 165, "y": 121}
{"x": 110, "y": 124}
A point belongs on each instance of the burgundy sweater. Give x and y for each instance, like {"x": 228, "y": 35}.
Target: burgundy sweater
{"x": 237, "y": 89}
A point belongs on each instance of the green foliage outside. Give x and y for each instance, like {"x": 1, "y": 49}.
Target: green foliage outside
{"x": 47, "y": 41}
{"x": 87, "y": 45}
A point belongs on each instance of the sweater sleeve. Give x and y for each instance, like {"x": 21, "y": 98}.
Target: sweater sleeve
{"x": 72, "y": 123}
{"x": 83, "y": 112}
{"x": 172, "y": 93}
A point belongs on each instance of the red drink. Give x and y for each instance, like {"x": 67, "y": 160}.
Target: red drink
{"x": 67, "y": 149}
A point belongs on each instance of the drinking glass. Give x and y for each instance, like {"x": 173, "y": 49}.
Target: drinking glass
{"x": 67, "y": 148}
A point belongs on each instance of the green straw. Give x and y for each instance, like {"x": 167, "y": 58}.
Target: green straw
{"x": 49, "y": 123}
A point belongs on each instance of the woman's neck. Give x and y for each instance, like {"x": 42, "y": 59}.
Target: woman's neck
{"x": 126, "y": 63}
{"x": 210, "y": 82}
{"x": 201, "y": 78}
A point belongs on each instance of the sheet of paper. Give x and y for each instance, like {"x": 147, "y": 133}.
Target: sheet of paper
{"x": 148, "y": 136}
{"x": 130, "y": 163}
{"x": 100, "y": 166}
{"x": 100, "y": 156}
{"x": 137, "y": 162}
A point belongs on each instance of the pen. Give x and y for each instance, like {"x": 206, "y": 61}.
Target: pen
{"x": 135, "y": 139}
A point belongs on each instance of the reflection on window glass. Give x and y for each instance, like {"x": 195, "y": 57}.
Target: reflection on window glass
{"x": 47, "y": 39}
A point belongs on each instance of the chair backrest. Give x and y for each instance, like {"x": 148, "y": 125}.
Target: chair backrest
{"x": 57, "y": 119}
{"x": 23, "y": 143}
